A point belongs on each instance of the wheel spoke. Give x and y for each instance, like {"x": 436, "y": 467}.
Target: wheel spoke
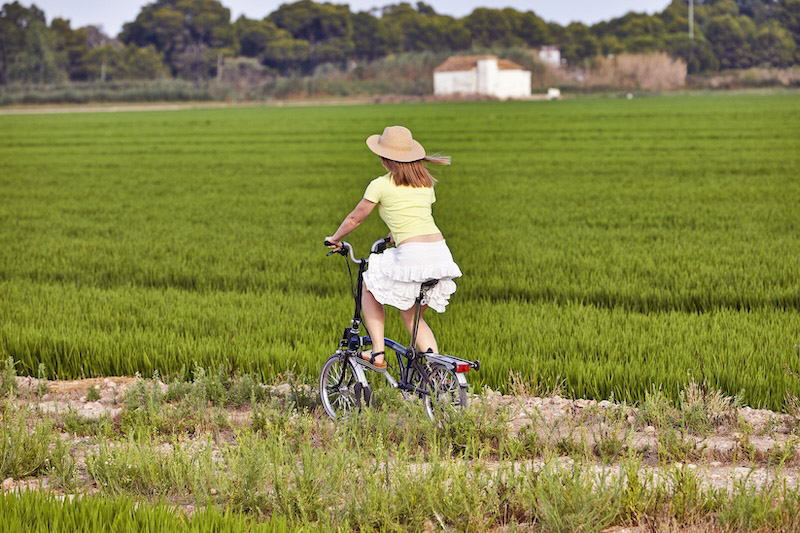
{"x": 337, "y": 387}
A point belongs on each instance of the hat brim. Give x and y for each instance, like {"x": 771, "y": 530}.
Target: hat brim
{"x": 416, "y": 153}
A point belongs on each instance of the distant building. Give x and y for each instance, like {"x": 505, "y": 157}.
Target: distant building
{"x": 550, "y": 55}
{"x": 484, "y": 74}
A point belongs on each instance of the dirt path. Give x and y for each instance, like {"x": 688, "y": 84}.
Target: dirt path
{"x": 46, "y": 109}
{"x": 743, "y": 446}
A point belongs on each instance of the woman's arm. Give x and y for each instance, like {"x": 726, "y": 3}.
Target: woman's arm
{"x": 351, "y": 222}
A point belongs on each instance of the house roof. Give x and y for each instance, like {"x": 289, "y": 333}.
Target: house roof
{"x": 457, "y": 63}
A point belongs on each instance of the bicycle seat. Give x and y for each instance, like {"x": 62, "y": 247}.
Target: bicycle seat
{"x": 431, "y": 283}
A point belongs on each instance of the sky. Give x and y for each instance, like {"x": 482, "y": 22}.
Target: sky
{"x": 112, "y": 14}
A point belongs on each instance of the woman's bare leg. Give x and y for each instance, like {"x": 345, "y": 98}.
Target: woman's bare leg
{"x": 373, "y": 319}
{"x": 425, "y": 338}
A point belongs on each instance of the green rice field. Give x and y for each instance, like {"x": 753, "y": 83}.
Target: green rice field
{"x": 615, "y": 245}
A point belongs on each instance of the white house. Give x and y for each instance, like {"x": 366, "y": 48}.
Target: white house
{"x": 550, "y": 55}
{"x": 484, "y": 74}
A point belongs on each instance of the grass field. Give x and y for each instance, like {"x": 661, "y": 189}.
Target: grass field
{"x": 613, "y": 244}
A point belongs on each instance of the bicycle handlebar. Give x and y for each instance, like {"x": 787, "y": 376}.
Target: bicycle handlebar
{"x": 378, "y": 247}
{"x": 343, "y": 250}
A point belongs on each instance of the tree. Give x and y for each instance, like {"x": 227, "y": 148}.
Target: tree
{"x": 610, "y": 45}
{"x": 189, "y": 33}
{"x": 75, "y": 45}
{"x": 724, "y": 7}
{"x": 15, "y": 21}
{"x": 104, "y": 62}
{"x": 420, "y": 32}
{"x": 491, "y": 28}
{"x": 373, "y": 37}
{"x": 675, "y": 17}
{"x": 327, "y": 28}
{"x": 578, "y": 43}
{"x": 114, "y": 61}
{"x": 789, "y": 17}
{"x": 642, "y": 43}
{"x": 142, "y": 63}
{"x": 254, "y": 36}
{"x": 697, "y": 53}
{"x": 732, "y": 40}
{"x": 40, "y": 60}
{"x": 425, "y": 9}
{"x": 759, "y": 10}
{"x": 774, "y": 45}
{"x": 527, "y": 27}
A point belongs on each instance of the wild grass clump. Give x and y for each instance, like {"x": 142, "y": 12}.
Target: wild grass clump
{"x": 92, "y": 395}
{"x": 217, "y": 386}
{"x": 24, "y": 451}
{"x": 573, "y": 499}
{"x": 479, "y": 429}
{"x": 62, "y": 467}
{"x": 77, "y": 424}
{"x": 191, "y": 406}
{"x": 699, "y": 410}
{"x": 8, "y": 377}
{"x": 137, "y": 467}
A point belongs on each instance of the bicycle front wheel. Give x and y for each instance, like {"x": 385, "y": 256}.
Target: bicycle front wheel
{"x": 337, "y": 387}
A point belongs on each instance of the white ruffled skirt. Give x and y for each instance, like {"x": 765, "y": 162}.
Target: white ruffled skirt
{"x": 395, "y": 276}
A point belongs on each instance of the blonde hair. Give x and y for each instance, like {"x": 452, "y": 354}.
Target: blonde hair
{"x": 414, "y": 173}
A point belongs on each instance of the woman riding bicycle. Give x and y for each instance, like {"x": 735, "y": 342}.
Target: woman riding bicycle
{"x": 404, "y": 197}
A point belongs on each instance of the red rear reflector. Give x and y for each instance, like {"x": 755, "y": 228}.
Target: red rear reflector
{"x": 460, "y": 368}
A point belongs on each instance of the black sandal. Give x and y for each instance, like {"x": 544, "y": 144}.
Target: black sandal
{"x": 371, "y": 359}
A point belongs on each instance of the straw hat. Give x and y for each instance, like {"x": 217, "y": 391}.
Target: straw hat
{"x": 396, "y": 144}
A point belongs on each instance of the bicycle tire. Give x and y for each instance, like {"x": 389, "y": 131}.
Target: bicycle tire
{"x": 341, "y": 401}
{"x": 443, "y": 391}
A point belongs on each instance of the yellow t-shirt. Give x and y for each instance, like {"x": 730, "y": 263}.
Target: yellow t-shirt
{"x": 406, "y": 210}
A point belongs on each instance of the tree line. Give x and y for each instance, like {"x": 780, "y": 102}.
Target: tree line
{"x": 190, "y": 38}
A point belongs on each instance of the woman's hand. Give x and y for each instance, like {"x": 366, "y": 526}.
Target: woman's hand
{"x": 330, "y": 242}
{"x": 390, "y": 237}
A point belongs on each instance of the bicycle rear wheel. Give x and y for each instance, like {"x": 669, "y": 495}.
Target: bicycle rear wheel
{"x": 337, "y": 387}
{"x": 444, "y": 393}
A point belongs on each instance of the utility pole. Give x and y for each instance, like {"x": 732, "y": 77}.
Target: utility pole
{"x": 691, "y": 19}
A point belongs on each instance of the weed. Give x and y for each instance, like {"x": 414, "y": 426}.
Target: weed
{"x": 779, "y": 455}
{"x": 61, "y": 467}
{"x": 743, "y": 443}
{"x": 477, "y": 429}
{"x": 749, "y": 509}
{"x": 530, "y": 440}
{"x": 92, "y": 395}
{"x": 610, "y": 441}
{"x": 23, "y": 452}
{"x": 73, "y": 422}
{"x": 657, "y": 410}
{"x": 688, "y": 498}
{"x": 573, "y": 500}
{"x": 8, "y": 377}
{"x": 136, "y": 467}
{"x": 42, "y": 387}
{"x": 677, "y": 445}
